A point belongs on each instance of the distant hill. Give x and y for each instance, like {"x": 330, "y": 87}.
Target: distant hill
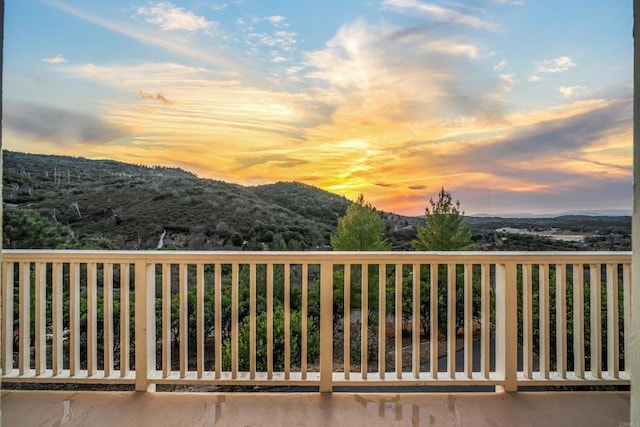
{"x": 580, "y": 213}
{"x": 574, "y": 223}
{"x": 610, "y": 233}
{"x": 115, "y": 205}
{"x": 304, "y": 200}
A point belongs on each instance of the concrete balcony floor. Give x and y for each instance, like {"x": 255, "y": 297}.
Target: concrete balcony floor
{"x": 89, "y": 408}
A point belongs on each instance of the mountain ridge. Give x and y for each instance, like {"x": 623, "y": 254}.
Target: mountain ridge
{"x": 131, "y": 205}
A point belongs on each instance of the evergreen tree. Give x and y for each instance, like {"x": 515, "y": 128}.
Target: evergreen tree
{"x": 27, "y": 229}
{"x": 445, "y": 229}
{"x": 360, "y": 229}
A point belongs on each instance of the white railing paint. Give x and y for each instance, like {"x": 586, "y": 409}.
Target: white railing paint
{"x": 32, "y": 278}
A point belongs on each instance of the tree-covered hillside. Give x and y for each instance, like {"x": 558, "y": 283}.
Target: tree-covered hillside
{"x": 110, "y": 204}
{"x": 305, "y": 200}
{"x": 114, "y": 205}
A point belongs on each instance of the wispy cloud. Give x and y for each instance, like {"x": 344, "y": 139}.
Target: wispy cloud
{"x": 204, "y": 106}
{"x": 274, "y": 20}
{"x": 282, "y": 39}
{"x": 159, "y": 97}
{"x": 569, "y": 91}
{"x": 210, "y": 55}
{"x": 440, "y": 13}
{"x": 277, "y": 20}
{"x": 58, "y": 59}
{"x": 506, "y": 83}
{"x": 451, "y": 47}
{"x": 271, "y": 41}
{"x": 219, "y": 6}
{"x": 170, "y": 17}
{"x": 515, "y": 2}
{"x": 277, "y": 160}
{"x": 62, "y": 127}
{"x": 560, "y": 139}
{"x": 500, "y": 65}
{"x": 378, "y": 83}
{"x": 555, "y": 65}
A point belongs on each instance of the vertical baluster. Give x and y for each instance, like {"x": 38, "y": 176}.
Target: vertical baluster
{"x": 451, "y": 320}
{"x": 561, "y": 320}
{"x": 56, "y": 318}
{"x": 613, "y": 328}
{"x": 166, "y": 320}
{"x": 398, "y": 321}
{"x": 364, "y": 321}
{"x": 74, "y": 318}
{"x": 269, "y": 320}
{"x": 145, "y": 324}
{"x": 382, "y": 319}
{"x": 92, "y": 319}
{"x": 347, "y": 321}
{"x": 433, "y": 320}
{"x": 184, "y": 319}
{"x": 7, "y": 317}
{"x": 305, "y": 302}
{"x": 218, "y": 319}
{"x": 415, "y": 327}
{"x": 543, "y": 280}
{"x": 626, "y": 307}
{"x": 578, "y": 320}
{"x": 252, "y": 320}
{"x": 234, "y": 320}
{"x": 527, "y": 321}
{"x": 596, "y": 320}
{"x": 326, "y": 327}
{"x": 200, "y": 319}
{"x": 125, "y": 326}
{"x": 287, "y": 321}
{"x": 485, "y": 314}
{"x": 107, "y": 328}
{"x": 468, "y": 320}
{"x": 40, "y": 317}
{"x": 24, "y": 298}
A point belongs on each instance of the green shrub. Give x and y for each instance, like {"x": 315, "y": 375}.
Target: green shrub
{"x": 313, "y": 342}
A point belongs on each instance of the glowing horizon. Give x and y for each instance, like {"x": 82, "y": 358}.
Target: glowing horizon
{"x": 393, "y": 99}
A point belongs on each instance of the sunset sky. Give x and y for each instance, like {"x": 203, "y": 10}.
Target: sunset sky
{"x": 515, "y": 106}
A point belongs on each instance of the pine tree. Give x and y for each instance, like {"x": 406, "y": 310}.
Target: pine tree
{"x": 445, "y": 229}
{"x": 360, "y": 229}
{"x": 27, "y": 229}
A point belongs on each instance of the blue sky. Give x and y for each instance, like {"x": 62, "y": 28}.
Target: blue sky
{"x": 514, "y": 106}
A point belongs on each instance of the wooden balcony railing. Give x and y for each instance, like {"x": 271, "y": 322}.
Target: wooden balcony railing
{"x": 324, "y": 319}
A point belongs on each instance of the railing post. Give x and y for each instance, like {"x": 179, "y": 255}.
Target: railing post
{"x": 145, "y": 324}
{"x": 6, "y": 335}
{"x": 326, "y": 327}
{"x": 24, "y": 299}
{"x": 506, "y": 326}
